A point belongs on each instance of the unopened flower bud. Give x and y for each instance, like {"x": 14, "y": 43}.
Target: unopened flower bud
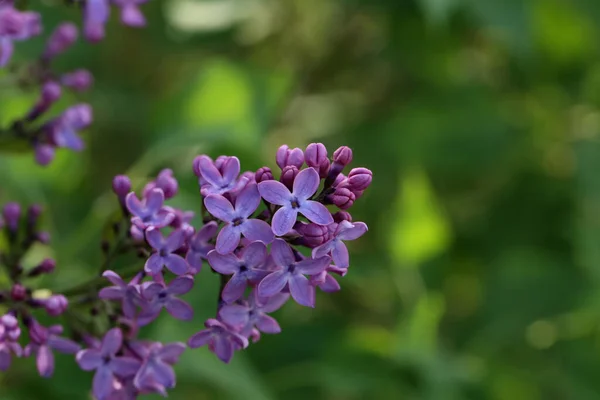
{"x": 316, "y": 157}
{"x": 18, "y": 292}
{"x": 47, "y": 266}
{"x": 167, "y": 183}
{"x": 313, "y": 235}
{"x": 342, "y": 216}
{"x": 79, "y": 80}
{"x": 61, "y": 39}
{"x": 288, "y": 174}
{"x": 343, "y": 156}
{"x": 286, "y": 156}
{"x": 9, "y": 321}
{"x": 121, "y": 185}
{"x": 56, "y": 305}
{"x": 12, "y": 214}
{"x": 33, "y": 213}
{"x": 263, "y": 174}
{"x": 359, "y": 179}
{"x": 342, "y": 198}
{"x": 43, "y": 237}
{"x": 44, "y": 154}
{"x": 51, "y": 92}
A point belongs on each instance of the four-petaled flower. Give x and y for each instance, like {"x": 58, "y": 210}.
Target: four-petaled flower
{"x": 236, "y": 219}
{"x": 291, "y": 273}
{"x": 247, "y": 315}
{"x": 339, "y": 252}
{"x": 129, "y": 294}
{"x": 215, "y": 181}
{"x": 221, "y": 339}
{"x": 164, "y": 252}
{"x": 159, "y": 296}
{"x": 297, "y": 201}
{"x": 156, "y": 372}
{"x": 43, "y": 341}
{"x": 107, "y": 364}
{"x": 246, "y": 268}
{"x": 149, "y": 211}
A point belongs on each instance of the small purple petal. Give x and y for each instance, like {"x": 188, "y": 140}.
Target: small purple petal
{"x": 274, "y": 192}
{"x": 256, "y": 229}
{"x": 125, "y": 366}
{"x": 220, "y": 207}
{"x": 102, "y": 384}
{"x": 223, "y": 349}
{"x": 234, "y": 315}
{"x": 313, "y": 266}
{"x": 111, "y": 293}
{"x": 180, "y": 285}
{"x": 349, "y": 231}
{"x": 284, "y": 220}
{"x": 154, "y": 200}
{"x": 154, "y": 238}
{"x": 175, "y": 240}
{"x": 112, "y": 342}
{"x": 200, "y": 339}
{"x": 63, "y": 345}
{"x": 45, "y": 361}
{"x": 231, "y": 169}
{"x": 282, "y": 253}
{"x": 154, "y": 264}
{"x": 273, "y": 283}
{"x": 247, "y": 201}
{"x": 170, "y": 353}
{"x": 225, "y": 264}
{"x": 176, "y": 264}
{"x": 339, "y": 252}
{"x": 316, "y": 212}
{"x": 179, "y": 309}
{"x": 255, "y": 254}
{"x": 228, "y": 239}
{"x": 234, "y": 289}
{"x": 89, "y": 359}
{"x": 306, "y": 183}
{"x": 268, "y": 324}
{"x": 302, "y": 291}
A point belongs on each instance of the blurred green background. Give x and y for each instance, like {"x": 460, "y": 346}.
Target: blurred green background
{"x": 480, "y": 275}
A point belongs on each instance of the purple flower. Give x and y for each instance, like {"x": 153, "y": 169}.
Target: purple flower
{"x": 164, "y": 249}
{"x": 56, "y": 305}
{"x": 9, "y": 334}
{"x": 245, "y": 268}
{"x": 129, "y": 294}
{"x": 149, "y": 211}
{"x": 221, "y": 340}
{"x": 316, "y": 157}
{"x": 43, "y": 341}
{"x": 237, "y": 222}
{"x": 325, "y": 281}
{"x": 95, "y": 15}
{"x": 156, "y": 372}
{"x": 131, "y": 15}
{"x": 159, "y": 296}
{"x": 199, "y": 246}
{"x": 15, "y": 26}
{"x": 79, "y": 80}
{"x": 166, "y": 182}
{"x": 106, "y": 363}
{"x": 305, "y": 185}
{"x": 63, "y": 130}
{"x": 246, "y": 316}
{"x": 61, "y": 39}
{"x": 213, "y": 180}
{"x": 338, "y": 250}
{"x": 291, "y": 273}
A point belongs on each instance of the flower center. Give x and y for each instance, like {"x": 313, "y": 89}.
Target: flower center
{"x": 163, "y": 252}
{"x": 291, "y": 268}
{"x": 162, "y": 295}
{"x": 295, "y": 203}
{"x": 237, "y": 222}
{"x": 243, "y": 268}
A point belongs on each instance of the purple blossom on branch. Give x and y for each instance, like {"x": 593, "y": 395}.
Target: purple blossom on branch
{"x": 43, "y": 341}
{"x": 338, "y": 250}
{"x": 199, "y": 246}
{"x": 149, "y": 211}
{"x": 221, "y": 340}
{"x": 238, "y": 220}
{"x": 164, "y": 252}
{"x": 248, "y": 315}
{"x": 297, "y": 201}
{"x": 158, "y": 296}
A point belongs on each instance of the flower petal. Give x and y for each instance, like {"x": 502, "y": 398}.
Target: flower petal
{"x": 274, "y": 303}
{"x": 340, "y": 255}
{"x": 282, "y": 253}
{"x": 180, "y": 285}
{"x": 154, "y": 264}
{"x": 170, "y": 352}
{"x": 247, "y": 201}
{"x": 114, "y": 278}
{"x": 111, "y": 293}
{"x": 102, "y": 385}
{"x": 154, "y": 200}
{"x": 125, "y": 366}
{"x": 352, "y": 232}
{"x": 89, "y": 359}
{"x": 313, "y": 266}
{"x": 275, "y": 192}
{"x": 316, "y": 212}
{"x": 155, "y": 238}
{"x": 179, "y": 309}
{"x": 273, "y": 283}
{"x": 234, "y": 315}
{"x": 284, "y": 220}
{"x": 134, "y": 205}
{"x": 111, "y": 343}
{"x": 220, "y": 207}
{"x": 268, "y": 324}
{"x": 228, "y": 239}
{"x": 209, "y": 171}
{"x": 231, "y": 170}
{"x": 257, "y": 230}
{"x": 175, "y": 240}
{"x": 234, "y": 289}
{"x": 176, "y": 264}
{"x": 223, "y": 349}
{"x": 302, "y": 291}
{"x": 207, "y": 232}
{"x": 255, "y": 254}
{"x": 201, "y": 338}
{"x": 45, "y": 361}
{"x": 63, "y": 345}
{"x": 306, "y": 183}
{"x": 225, "y": 264}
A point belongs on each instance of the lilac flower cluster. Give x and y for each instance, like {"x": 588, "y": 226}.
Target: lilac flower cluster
{"x": 61, "y": 131}
{"x": 254, "y": 229}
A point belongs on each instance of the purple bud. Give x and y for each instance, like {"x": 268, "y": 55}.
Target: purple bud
{"x": 47, "y": 266}
{"x": 44, "y": 154}
{"x": 79, "y": 80}
{"x": 220, "y": 162}
{"x": 61, "y": 39}
{"x": 56, "y": 305}
{"x": 286, "y": 156}
{"x": 167, "y": 183}
{"x": 43, "y": 237}
{"x": 33, "y": 213}
{"x": 121, "y": 185}
{"x": 288, "y": 175}
{"x": 18, "y": 292}
{"x": 51, "y": 92}
{"x": 342, "y": 198}
{"x": 11, "y": 214}
{"x": 343, "y": 156}
{"x": 313, "y": 235}
{"x": 9, "y": 321}
{"x": 263, "y": 174}
{"x": 359, "y": 179}
{"x": 316, "y": 157}
{"x": 342, "y": 216}
{"x": 196, "y": 164}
